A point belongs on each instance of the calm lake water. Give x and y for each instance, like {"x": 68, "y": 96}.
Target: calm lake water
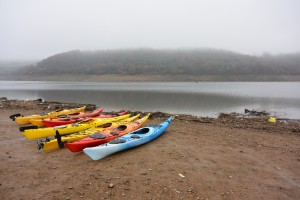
{"x": 202, "y": 99}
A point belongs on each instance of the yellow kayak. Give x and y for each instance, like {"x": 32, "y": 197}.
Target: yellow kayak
{"x": 32, "y": 134}
{"x": 26, "y": 119}
{"x": 50, "y": 144}
{"x": 37, "y": 122}
{"x": 80, "y": 116}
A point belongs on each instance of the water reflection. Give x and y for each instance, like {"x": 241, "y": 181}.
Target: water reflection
{"x": 203, "y": 99}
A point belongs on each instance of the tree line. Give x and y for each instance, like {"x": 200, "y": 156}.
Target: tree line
{"x": 165, "y": 62}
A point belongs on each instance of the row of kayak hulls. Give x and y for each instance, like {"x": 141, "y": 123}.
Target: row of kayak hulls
{"x": 95, "y": 134}
{"x": 55, "y": 143}
{"x": 69, "y": 119}
{"x": 38, "y": 133}
{"x": 101, "y": 147}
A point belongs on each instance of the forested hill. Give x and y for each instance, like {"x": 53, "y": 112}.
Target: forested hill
{"x": 162, "y": 62}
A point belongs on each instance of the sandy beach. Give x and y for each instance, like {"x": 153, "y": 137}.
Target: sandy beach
{"x": 230, "y": 157}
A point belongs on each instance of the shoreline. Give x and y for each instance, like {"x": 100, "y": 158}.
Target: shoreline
{"x": 155, "y": 78}
{"x": 255, "y": 120}
{"x": 234, "y": 156}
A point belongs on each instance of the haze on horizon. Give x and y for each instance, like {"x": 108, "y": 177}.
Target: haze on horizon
{"x": 34, "y": 29}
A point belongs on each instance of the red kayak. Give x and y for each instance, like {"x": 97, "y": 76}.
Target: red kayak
{"x": 106, "y": 135}
{"x": 64, "y": 121}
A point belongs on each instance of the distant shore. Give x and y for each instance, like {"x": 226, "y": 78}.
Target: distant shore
{"x": 156, "y": 78}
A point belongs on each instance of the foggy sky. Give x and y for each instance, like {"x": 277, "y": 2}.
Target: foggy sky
{"x": 36, "y": 29}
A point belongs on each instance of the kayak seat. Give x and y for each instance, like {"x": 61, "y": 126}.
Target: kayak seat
{"x": 105, "y": 125}
{"x": 98, "y": 136}
{"x": 141, "y": 131}
{"x": 75, "y": 113}
{"x": 62, "y": 116}
{"x": 117, "y": 141}
{"x": 135, "y": 136}
{"x": 114, "y": 133}
{"x": 121, "y": 128}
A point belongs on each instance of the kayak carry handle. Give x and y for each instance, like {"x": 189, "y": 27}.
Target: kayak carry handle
{"x": 23, "y": 128}
{"x": 14, "y": 116}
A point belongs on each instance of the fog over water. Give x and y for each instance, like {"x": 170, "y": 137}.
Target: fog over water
{"x": 35, "y": 29}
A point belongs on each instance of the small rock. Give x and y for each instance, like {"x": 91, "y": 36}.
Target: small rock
{"x": 230, "y": 177}
{"x": 70, "y": 187}
{"x": 177, "y": 191}
{"x": 111, "y": 185}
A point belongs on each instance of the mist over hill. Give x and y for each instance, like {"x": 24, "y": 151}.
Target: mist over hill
{"x": 162, "y": 62}
{"x": 9, "y": 67}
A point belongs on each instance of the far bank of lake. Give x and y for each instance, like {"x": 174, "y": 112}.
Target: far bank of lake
{"x": 154, "y": 78}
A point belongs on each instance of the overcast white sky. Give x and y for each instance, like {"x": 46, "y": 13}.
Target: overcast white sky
{"x": 36, "y": 29}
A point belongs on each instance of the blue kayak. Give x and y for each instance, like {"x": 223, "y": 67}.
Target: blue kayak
{"x": 130, "y": 140}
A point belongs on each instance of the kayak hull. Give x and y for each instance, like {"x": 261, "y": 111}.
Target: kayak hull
{"x": 59, "y": 122}
{"x": 22, "y": 120}
{"x": 65, "y": 118}
{"x": 136, "y": 138}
